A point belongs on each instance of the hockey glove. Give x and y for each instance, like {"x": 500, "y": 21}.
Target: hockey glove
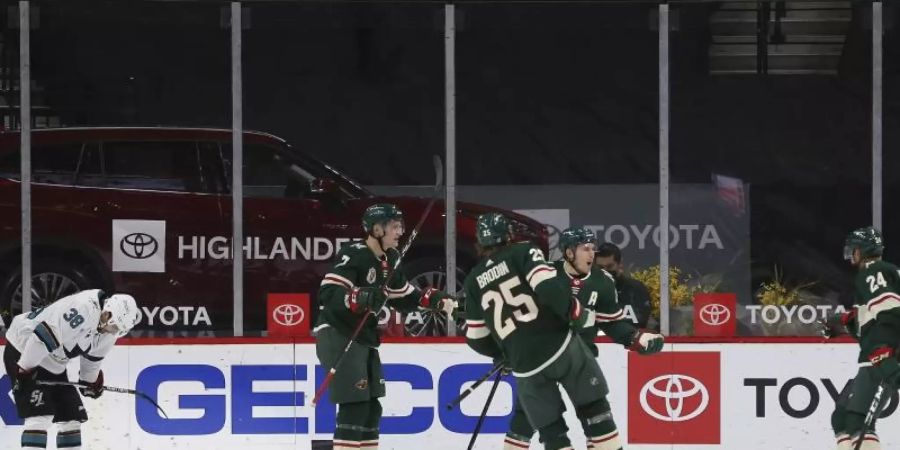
{"x": 646, "y": 343}
{"x": 363, "y": 299}
{"x": 579, "y": 317}
{"x": 505, "y": 370}
{"x": 438, "y": 301}
{"x": 882, "y": 358}
{"x": 92, "y": 390}
{"x": 838, "y": 323}
{"x": 24, "y": 379}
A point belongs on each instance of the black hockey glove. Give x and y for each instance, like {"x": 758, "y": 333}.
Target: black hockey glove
{"x": 363, "y": 299}
{"x": 505, "y": 370}
{"x": 93, "y": 390}
{"x": 646, "y": 343}
{"x": 838, "y": 324}
{"x": 24, "y": 380}
{"x": 437, "y": 300}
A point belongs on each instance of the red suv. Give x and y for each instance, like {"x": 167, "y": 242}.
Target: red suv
{"x": 148, "y": 211}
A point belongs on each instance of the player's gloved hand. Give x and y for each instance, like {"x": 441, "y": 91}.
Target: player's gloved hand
{"x": 362, "y": 299}
{"x": 579, "y": 317}
{"x": 646, "y": 343}
{"x": 839, "y": 323}
{"x": 505, "y": 369}
{"x": 24, "y": 379}
{"x": 883, "y": 359}
{"x": 437, "y": 300}
{"x": 92, "y": 390}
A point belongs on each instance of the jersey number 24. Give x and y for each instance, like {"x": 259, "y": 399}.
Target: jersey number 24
{"x": 525, "y": 309}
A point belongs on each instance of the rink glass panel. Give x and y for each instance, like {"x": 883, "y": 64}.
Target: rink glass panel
{"x": 558, "y": 117}
{"x": 114, "y": 196}
{"x": 784, "y": 156}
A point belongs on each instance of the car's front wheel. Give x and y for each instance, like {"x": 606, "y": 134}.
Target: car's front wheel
{"x": 50, "y": 281}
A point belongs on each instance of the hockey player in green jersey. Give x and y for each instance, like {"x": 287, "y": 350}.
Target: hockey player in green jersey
{"x": 518, "y": 310}
{"x": 596, "y": 291}
{"x": 353, "y": 288}
{"x": 875, "y": 322}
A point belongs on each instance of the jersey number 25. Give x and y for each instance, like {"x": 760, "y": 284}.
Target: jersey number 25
{"x": 525, "y": 309}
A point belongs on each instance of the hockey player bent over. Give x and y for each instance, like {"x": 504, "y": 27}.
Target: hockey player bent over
{"x": 518, "y": 310}
{"x": 875, "y": 322}
{"x": 41, "y": 343}
{"x": 596, "y": 290}
{"x": 350, "y": 291}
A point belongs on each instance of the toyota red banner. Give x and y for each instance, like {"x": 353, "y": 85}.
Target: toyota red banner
{"x": 714, "y": 314}
{"x": 288, "y": 314}
{"x": 674, "y": 398}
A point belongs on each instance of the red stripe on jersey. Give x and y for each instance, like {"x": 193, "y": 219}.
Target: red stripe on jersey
{"x": 539, "y": 270}
{"x": 610, "y": 317}
{"x": 475, "y": 325}
{"x": 338, "y": 280}
{"x": 883, "y": 298}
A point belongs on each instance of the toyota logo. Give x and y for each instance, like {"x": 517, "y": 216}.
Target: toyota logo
{"x": 714, "y": 314}
{"x": 676, "y": 390}
{"x": 288, "y": 314}
{"x": 139, "y": 245}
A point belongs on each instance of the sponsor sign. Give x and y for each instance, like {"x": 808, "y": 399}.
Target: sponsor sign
{"x": 288, "y": 314}
{"x": 139, "y": 245}
{"x": 249, "y": 396}
{"x": 674, "y": 398}
{"x": 715, "y": 314}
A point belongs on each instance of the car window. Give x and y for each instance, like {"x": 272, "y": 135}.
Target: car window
{"x": 212, "y": 172}
{"x": 164, "y": 166}
{"x": 52, "y": 164}
{"x": 267, "y": 174}
{"x": 90, "y": 167}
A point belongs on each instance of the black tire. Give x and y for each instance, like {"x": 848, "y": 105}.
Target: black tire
{"x": 50, "y": 281}
{"x": 424, "y": 272}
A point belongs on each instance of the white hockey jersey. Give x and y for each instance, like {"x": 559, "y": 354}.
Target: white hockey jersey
{"x": 49, "y": 337}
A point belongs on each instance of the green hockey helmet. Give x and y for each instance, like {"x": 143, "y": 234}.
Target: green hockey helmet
{"x": 492, "y": 229}
{"x": 380, "y": 213}
{"x": 868, "y": 240}
{"x": 575, "y": 236}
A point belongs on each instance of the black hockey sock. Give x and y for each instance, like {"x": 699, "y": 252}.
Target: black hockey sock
{"x": 34, "y": 439}
{"x": 351, "y": 421}
{"x": 373, "y": 421}
{"x": 554, "y": 435}
{"x": 599, "y": 427}
{"x": 520, "y": 428}
{"x": 68, "y": 439}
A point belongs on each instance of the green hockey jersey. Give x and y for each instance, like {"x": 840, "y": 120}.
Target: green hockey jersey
{"x": 877, "y": 287}
{"x": 357, "y": 266}
{"x": 597, "y": 293}
{"x": 515, "y": 307}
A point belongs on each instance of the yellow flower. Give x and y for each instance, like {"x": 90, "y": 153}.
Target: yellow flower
{"x": 777, "y": 293}
{"x": 681, "y": 292}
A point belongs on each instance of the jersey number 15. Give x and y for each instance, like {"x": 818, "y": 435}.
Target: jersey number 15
{"x": 525, "y": 309}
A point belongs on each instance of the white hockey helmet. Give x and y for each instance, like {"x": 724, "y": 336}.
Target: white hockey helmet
{"x": 124, "y": 312}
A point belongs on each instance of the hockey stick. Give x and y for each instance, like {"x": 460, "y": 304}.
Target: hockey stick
{"x": 484, "y": 411}
{"x": 439, "y": 176}
{"x": 105, "y": 388}
{"x": 471, "y": 388}
{"x": 871, "y": 415}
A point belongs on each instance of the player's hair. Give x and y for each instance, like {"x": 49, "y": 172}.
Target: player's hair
{"x": 484, "y": 252}
{"x": 609, "y": 249}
